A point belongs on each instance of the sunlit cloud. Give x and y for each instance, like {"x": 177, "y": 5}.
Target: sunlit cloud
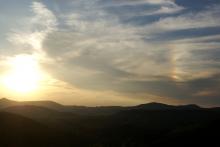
{"x": 134, "y": 51}
{"x": 34, "y": 31}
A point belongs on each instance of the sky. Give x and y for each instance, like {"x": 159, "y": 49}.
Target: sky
{"x": 111, "y": 52}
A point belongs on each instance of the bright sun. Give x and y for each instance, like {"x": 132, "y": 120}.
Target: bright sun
{"x": 24, "y": 74}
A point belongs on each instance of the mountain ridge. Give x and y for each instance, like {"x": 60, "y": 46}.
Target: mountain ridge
{"x": 158, "y": 106}
{"x": 151, "y": 105}
{"x": 152, "y": 124}
{"x": 98, "y": 110}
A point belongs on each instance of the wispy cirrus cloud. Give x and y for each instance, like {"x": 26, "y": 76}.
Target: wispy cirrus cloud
{"x": 34, "y": 29}
{"x": 135, "y": 2}
{"x": 98, "y": 46}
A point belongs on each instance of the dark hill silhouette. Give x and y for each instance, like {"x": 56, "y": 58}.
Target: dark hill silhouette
{"x": 49, "y": 117}
{"x": 159, "y": 106}
{"x": 4, "y": 102}
{"x": 18, "y": 131}
{"x": 204, "y": 134}
{"x": 101, "y": 110}
{"x": 151, "y": 124}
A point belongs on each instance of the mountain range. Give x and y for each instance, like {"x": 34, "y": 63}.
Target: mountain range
{"x": 47, "y": 123}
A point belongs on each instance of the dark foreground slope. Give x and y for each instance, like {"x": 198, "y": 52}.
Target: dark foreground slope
{"x": 16, "y": 131}
{"x": 203, "y": 134}
{"x": 145, "y": 125}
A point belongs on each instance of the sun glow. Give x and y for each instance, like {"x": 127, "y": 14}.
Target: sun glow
{"x": 24, "y": 74}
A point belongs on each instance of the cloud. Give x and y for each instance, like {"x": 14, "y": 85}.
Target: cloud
{"x": 127, "y": 9}
{"x": 198, "y": 90}
{"x": 35, "y": 28}
{"x": 167, "y": 10}
{"x": 135, "y": 2}
{"x": 202, "y": 19}
{"x": 98, "y": 46}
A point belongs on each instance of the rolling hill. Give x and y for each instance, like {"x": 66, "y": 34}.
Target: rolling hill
{"x": 152, "y": 124}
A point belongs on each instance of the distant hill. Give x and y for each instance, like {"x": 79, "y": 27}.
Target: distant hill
{"x": 82, "y": 110}
{"x": 7, "y": 103}
{"x": 159, "y": 106}
{"x": 46, "y": 123}
{"x": 4, "y": 102}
